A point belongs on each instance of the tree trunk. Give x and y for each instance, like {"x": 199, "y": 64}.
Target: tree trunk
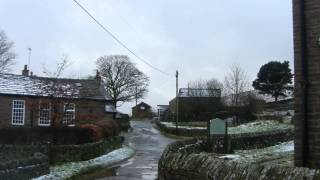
{"x": 276, "y": 99}
{"x": 114, "y": 103}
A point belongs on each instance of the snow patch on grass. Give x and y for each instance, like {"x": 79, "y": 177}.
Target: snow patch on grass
{"x": 254, "y": 155}
{"x": 259, "y": 126}
{"x": 68, "y": 170}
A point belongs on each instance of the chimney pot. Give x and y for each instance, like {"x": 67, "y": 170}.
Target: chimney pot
{"x": 25, "y": 71}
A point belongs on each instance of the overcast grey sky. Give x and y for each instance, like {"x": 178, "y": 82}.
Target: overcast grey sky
{"x": 201, "y": 39}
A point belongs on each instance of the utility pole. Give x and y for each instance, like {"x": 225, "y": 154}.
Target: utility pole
{"x": 136, "y": 95}
{"x": 177, "y": 100}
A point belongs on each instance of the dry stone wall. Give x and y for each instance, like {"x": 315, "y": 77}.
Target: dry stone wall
{"x": 29, "y": 161}
{"x": 241, "y": 140}
{"x": 184, "y": 161}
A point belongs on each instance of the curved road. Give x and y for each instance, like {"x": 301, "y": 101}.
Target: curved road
{"x": 149, "y": 144}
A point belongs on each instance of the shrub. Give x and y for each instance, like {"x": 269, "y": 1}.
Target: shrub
{"x": 109, "y": 127}
{"x": 96, "y": 131}
{"x": 43, "y": 135}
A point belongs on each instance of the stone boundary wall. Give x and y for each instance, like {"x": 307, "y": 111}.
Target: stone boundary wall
{"x": 25, "y": 168}
{"x": 69, "y": 153}
{"x": 182, "y": 132}
{"x": 260, "y": 139}
{"x": 240, "y": 141}
{"x": 13, "y": 162}
{"x": 183, "y": 161}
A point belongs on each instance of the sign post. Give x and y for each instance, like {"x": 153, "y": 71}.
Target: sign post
{"x": 218, "y": 131}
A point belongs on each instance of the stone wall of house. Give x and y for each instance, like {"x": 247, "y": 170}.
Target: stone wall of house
{"x": 138, "y": 113}
{"x": 196, "y": 108}
{"x": 184, "y": 160}
{"x": 307, "y": 147}
{"x": 87, "y": 111}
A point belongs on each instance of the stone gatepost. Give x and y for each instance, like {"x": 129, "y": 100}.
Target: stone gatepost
{"x": 306, "y": 23}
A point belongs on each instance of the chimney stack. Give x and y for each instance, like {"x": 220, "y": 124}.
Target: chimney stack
{"x": 25, "y": 71}
{"x": 98, "y": 76}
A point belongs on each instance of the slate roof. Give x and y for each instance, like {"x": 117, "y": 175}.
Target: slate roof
{"x": 142, "y": 104}
{"x": 11, "y": 84}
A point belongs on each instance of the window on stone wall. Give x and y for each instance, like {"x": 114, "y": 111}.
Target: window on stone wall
{"x": 44, "y": 114}
{"x": 18, "y": 112}
{"x": 69, "y": 114}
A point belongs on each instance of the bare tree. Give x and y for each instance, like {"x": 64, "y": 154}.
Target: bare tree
{"x": 212, "y": 86}
{"x": 60, "y": 68}
{"x": 204, "y": 87}
{"x": 236, "y": 82}
{"x": 122, "y": 79}
{"x": 6, "y": 55}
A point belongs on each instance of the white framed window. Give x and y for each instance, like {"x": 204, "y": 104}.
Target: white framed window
{"x": 18, "y": 112}
{"x": 69, "y": 114}
{"x": 142, "y": 108}
{"x": 44, "y": 114}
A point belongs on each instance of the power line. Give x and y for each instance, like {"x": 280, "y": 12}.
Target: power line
{"x": 127, "y": 22}
{"x": 117, "y": 40}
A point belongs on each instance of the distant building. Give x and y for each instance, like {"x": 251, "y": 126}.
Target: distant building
{"x": 162, "y": 109}
{"x": 141, "y": 111}
{"x": 29, "y": 101}
{"x": 196, "y": 104}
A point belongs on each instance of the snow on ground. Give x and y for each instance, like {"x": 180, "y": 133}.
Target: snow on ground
{"x": 277, "y": 113}
{"x": 256, "y": 126}
{"x": 68, "y": 170}
{"x": 254, "y": 155}
{"x": 172, "y": 125}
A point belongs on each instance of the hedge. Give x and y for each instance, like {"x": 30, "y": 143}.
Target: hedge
{"x": 44, "y": 135}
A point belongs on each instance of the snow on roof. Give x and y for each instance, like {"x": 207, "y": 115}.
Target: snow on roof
{"x": 142, "y": 104}
{"x": 11, "y": 84}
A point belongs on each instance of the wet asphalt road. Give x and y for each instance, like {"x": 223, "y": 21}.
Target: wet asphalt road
{"x": 148, "y": 144}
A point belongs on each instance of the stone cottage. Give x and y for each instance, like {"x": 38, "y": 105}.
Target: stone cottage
{"x": 30, "y": 101}
{"x": 142, "y": 111}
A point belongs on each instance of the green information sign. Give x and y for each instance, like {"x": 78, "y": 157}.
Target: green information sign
{"x": 217, "y": 127}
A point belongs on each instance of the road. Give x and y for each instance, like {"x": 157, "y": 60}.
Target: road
{"x": 149, "y": 144}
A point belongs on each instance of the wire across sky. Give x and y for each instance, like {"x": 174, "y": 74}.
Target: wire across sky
{"x": 118, "y": 40}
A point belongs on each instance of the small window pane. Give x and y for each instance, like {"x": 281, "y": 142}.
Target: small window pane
{"x": 18, "y": 110}
{"x": 44, "y": 114}
{"x": 69, "y": 114}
